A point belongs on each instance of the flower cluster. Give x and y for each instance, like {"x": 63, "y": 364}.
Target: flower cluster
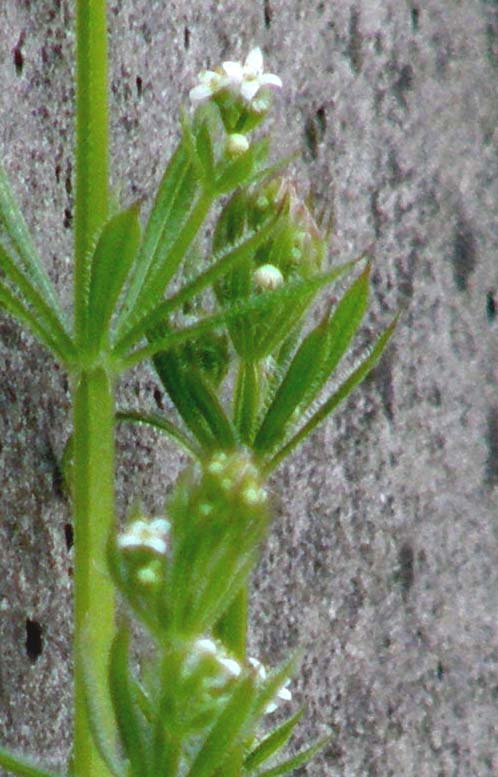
{"x": 146, "y": 534}
{"x": 244, "y": 80}
{"x": 220, "y": 671}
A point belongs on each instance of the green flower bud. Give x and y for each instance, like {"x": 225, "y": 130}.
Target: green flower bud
{"x": 219, "y": 515}
{"x": 236, "y": 144}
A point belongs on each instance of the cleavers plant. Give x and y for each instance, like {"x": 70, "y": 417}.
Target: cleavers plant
{"x": 224, "y": 330}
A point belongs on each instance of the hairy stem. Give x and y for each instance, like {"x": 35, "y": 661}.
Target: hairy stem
{"x": 93, "y": 497}
{"x": 92, "y": 141}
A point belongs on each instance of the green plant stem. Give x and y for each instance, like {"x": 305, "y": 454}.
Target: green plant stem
{"x": 232, "y": 628}
{"x": 92, "y": 141}
{"x": 93, "y": 502}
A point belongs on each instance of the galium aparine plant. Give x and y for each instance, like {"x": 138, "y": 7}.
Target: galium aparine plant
{"x": 225, "y": 330}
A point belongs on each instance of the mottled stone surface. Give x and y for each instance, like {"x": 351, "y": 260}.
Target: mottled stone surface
{"x": 383, "y": 561}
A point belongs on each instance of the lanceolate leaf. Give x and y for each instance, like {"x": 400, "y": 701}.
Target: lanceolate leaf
{"x": 110, "y": 266}
{"x": 17, "y": 764}
{"x": 16, "y": 309}
{"x": 227, "y": 732}
{"x": 337, "y": 397}
{"x": 172, "y": 203}
{"x": 126, "y": 709}
{"x": 343, "y": 326}
{"x": 14, "y": 226}
{"x": 42, "y": 311}
{"x": 272, "y": 743}
{"x": 236, "y": 173}
{"x": 302, "y": 371}
{"x": 96, "y": 725}
{"x": 274, "y": 682}
{"x": 314, "y": 363}
{"x": 169, "y": 261}
{"x": 195, "y": 400}
{"x": 297, "y": 761}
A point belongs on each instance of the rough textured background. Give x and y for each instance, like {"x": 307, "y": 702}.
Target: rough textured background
{"x": 383, "y": 560}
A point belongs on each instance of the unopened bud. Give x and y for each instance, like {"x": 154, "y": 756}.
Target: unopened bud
{"x": 268, "y": 277}
{"x": 236, "y": 144}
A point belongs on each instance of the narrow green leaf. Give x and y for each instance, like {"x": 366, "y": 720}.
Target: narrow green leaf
{"x": 227, "y": 732}
{"x": 272, "y": 743}
{"x": 167, "y": 263}
{"x": 225, "y": 580}
{"x": 343, "y": 326}
{"x": 337, "y": 397}
{"x": 275, "y": 680}
{"x": 172, "y": 204}
{"x": 163, "y": 425}
{"x": 260, "y": 303}
{"x": 16, "y": 309}
{"x": 182, "y": 385}
{"x": 95, "y": 721}
{"x": 126, "y": 710}
{"x": 246, "y": 400}
{"x": 231, "y": 628}
{"x": 285, "y": 318}
{"x": 190, "y": 144}
{"x": 111, "y": 262}
{"x": 297, "y": 761}
{"x": 43, "y": 312}
{"x": 14, "y": 225}
{"x": 306, "y": 364}
{"x": 22, "y": 766}
{"x": 205, "y": 151}
{"x": 235, "y": 173}
{"x": 222, "y": 262}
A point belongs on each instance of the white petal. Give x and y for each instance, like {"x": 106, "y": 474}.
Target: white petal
{"x": 249, "y": 89}
{"x": 209, "y": 77}
{"x": 258, "y": 666}
{"x": 160, "y": 526}
{"x": 284, "y": 694}
{"x": 254, "y": 61}
{"x": 157, "y": 544}
{"x": 200, "y": 92}
{"x": 233, "y": 71}
{"x": 231, "y": 666}
{"x": 271, "y": 707}
{"x": 206, "y": 646}
{"x": 269, "y": 79}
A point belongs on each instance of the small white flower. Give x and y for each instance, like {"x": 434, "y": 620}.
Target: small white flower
{"x": 146, "y": 534}
{"x": 267, "y": 276}
{"x": 283, "y": 694}
{"x": 244, "y": 79}
{"x": 210, "y": 82}
{"x": 247, "y": 79}
{"x": 226, "y": 668}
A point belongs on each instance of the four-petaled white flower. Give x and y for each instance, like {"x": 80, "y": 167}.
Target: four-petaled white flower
{"x": 146, "y": 534}
{"x": 243, "y": 79}
{"x": 229, "y": 669}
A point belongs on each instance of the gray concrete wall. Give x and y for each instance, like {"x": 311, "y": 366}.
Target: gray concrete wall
{"x": 383, "y": 561}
